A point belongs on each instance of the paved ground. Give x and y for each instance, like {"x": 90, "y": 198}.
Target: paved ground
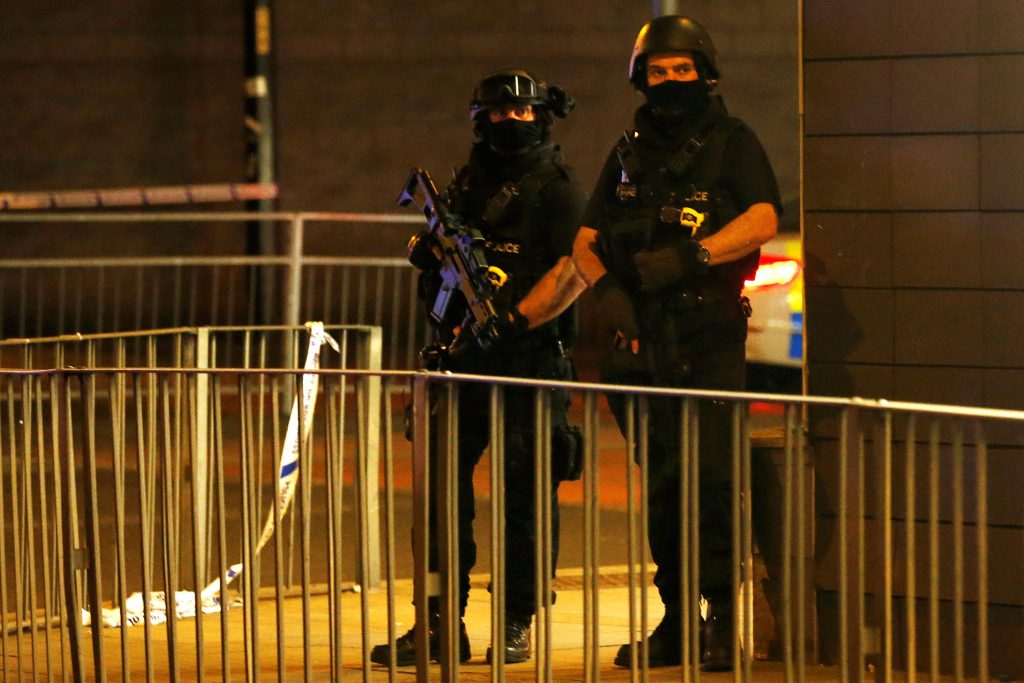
{"x": 566, "y": 643}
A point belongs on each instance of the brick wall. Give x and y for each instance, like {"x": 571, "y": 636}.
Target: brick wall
{"x": 914, "y": 236}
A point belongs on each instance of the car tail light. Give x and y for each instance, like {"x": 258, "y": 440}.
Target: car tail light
{"x": 773, "y": 271}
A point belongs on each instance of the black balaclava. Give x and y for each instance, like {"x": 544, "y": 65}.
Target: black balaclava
{"x": 678, "y": 97}
{"x": 511, "y": 137}
{"x": 674, "y": 102}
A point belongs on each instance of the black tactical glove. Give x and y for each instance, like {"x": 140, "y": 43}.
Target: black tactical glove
{"x": 421, "y": 251}
{"x": 615, "y": 308}
{"x": 662, "y": 267}
{"x": 506, "y": 325}
{"x": 513, "y": 323}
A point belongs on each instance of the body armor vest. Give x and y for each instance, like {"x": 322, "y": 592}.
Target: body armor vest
{"x": 662, "y": 196}
{"x": 509, "y": 220}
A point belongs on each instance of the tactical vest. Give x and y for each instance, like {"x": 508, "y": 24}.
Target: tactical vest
{"x": 683, "y": 195}
{"x": 509, "y": 220}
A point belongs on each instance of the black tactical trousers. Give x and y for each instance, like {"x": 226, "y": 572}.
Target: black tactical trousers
{"x": 716, "y": 367}
{"x": 520, "y": 523}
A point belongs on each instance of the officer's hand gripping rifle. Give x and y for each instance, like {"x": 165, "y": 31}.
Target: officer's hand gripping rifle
{"x": 463, "y": 262}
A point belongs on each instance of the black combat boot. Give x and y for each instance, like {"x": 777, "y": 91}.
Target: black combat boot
{"x": 716, "y": 655}
{"x": 517, "y": 639}
{"x": 405, "y": 646}
{"x": 663, "y": 645}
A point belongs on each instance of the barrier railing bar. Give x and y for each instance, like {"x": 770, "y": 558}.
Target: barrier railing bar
{"x": 207, "y": 217}
{"x": 200, "y": 498}
{"x": 933, "y": 549}
{"x": 250, "y": 522}
{"x": 368, "y": 511}
{"x": 958, "y": 550}
{"x": 447, "y": 377}
{"x": 862, "y": 550}
{"x": 70, "y": 539}
{"x": 692, "y": 412}
{"x": 169, "y": 500}
{"x": 981, "y": 521}
{"x": 421, "y": 520}
{"x": 591, "y": 536}
{"x": 802, "y": 523}
{"x": 787, "y": 545}
{"x": 220, "y": 514}
{"x": 64, "y": 264}
{"x": 637, "y": 656}
{"x": 887, "y": 558}
{"x": 92, "y": 522}
{"x": 369, "y": 355}
{"x": 910, "y": 492}
{"x": 643, "y": 424}
{"x": 736, "y": 549}
{"x": 747, "y": 544}
{"x": 144, "y": 450}
{"x": 684, "y": 539}
{"x": 446, "y": 507}
{"x": 118, "y": 410}
{"x": 46, "y": 537}
{"x": 542, "y": 537}
{"x": 305, "y": 527}
{"x": 389, "y": 527}
{"x": 12, "y": 469}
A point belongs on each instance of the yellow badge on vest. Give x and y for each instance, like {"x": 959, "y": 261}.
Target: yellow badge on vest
{"x": 692, "y": 219}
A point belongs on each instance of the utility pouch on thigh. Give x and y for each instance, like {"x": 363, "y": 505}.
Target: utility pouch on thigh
{"x": 566, "y": 453}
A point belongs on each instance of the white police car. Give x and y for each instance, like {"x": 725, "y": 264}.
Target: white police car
{"x": 776, "y": 329}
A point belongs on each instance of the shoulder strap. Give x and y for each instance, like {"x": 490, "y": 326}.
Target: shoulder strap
{"x": 683, "y": 161}
{"x": 627, "y": 157}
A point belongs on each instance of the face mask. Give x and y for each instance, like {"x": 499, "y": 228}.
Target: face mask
{"x": 678, "y": 96}
{"x": 514, "y": 137}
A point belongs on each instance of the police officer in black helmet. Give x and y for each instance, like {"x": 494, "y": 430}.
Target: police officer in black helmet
{"x": 517, "y": 190}
{"x": 672, "y": 229}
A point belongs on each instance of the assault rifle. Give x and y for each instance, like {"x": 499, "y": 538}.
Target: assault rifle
{"x": 463, "y": 262}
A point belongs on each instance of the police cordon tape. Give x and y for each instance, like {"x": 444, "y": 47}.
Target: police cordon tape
{"x": 137, "y": 196}
{"x": 287, "y": 478}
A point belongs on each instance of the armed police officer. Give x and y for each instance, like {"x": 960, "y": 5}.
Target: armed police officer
{"x": 527, "y": 203}
{"x": 671, "y": 232}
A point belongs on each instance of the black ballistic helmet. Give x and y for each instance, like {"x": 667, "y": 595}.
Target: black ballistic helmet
{"x": 673, "y": 34}
{"x": 518, "y": 88}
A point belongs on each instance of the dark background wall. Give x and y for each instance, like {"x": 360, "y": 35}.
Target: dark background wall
{"x": 914, "y": 240}
{"x": 125, "y": 93}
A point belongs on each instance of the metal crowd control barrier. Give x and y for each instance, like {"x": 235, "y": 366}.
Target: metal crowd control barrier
{"x": 41, "y": 297}
{"x": 210, "y": 347}
{"x": 94, "y": 462}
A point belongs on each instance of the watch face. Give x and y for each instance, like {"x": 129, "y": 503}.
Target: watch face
{"x": 703, "y": 256}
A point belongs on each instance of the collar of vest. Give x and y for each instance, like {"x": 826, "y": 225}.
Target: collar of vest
{"x": 496, "y": 169}
{"x": 654, "y": 133}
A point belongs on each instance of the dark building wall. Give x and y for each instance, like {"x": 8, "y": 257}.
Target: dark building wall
{"x": 144, "y": 93}
{"x": 118, "y": 94}
{"x": 914, "y": 235}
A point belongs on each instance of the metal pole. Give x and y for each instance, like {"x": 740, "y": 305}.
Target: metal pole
{"x": 293, "y": 277}
{"x": 371, "y": 352}
{"x": 201, "y": 462}
{"x": 421, "y": 516}
{"x": 664, "y": 7}
{"x": 259, "y": 133}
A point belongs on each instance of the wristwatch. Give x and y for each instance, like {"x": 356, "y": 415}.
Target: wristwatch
{"x": 703, "y": 257}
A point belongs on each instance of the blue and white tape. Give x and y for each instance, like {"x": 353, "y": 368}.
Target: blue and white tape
{"x": 287, "y": 479}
